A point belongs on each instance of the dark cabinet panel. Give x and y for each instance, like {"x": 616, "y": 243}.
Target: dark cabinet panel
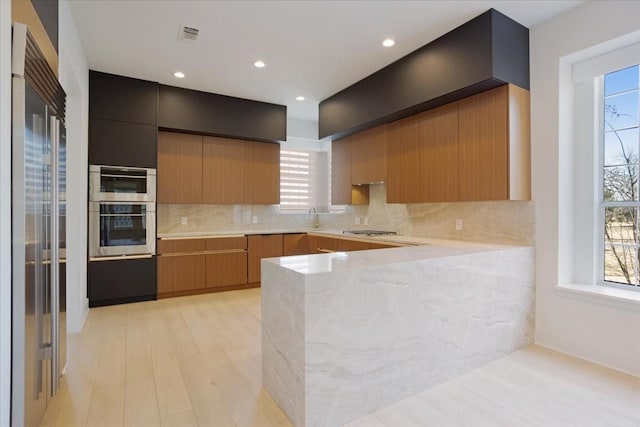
{"x": 123, "y": 99}
{"x": 481, "y": 54}
{"x": 209, "y": 113}
{"x": 120, "y": 281}
{"x": 47, "y": 11}
{"x": 122, "y": 144}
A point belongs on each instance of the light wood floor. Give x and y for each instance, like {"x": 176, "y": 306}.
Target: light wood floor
{"x": 196, "y": 361}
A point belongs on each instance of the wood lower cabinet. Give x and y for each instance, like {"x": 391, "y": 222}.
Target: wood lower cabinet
{"x": 345, "y": 245}
{"x": 296, "y": 244}
{"x": 222, "y": 176}
{"x": 191, "y": 266}
{"x": 262, "y": 246}
{"x": 179, "y": 273}
{"x": 326, "y": 244}
{"x": 342, "y": 191}
{"x": 226, "y": 269}
{"x": 179, "y": 175}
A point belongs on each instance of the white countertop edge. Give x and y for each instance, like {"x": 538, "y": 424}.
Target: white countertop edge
{"x": 335, "y": 262}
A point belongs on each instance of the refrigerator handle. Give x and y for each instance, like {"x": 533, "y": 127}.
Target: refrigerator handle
{"x": 55, "y": 258}
{"x": 19, "y": 49}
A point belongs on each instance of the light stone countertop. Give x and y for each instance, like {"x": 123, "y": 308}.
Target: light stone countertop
{"x": 343, "y": 261}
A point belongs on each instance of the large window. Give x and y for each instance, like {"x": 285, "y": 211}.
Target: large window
{"x": 304, "y": 180}
{"x": 620, "y": 201}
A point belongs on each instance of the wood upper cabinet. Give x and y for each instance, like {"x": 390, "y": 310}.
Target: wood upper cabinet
{"x": 495, "y": 145}
{"x": 439, "y": 171}
{"x": 222, "y": 170}
{"x": 194, "y": 169}
{"x": 261, "y": 173}
{"x": 342, "y": 191}
{"x": 179, "y": 178}
{"x": 369, "y": 156}
{"x": 403, "y": 161}
{"x": 262, "y": 246}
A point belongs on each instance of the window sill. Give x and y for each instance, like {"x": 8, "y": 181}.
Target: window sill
{"x": 599, "y": 293}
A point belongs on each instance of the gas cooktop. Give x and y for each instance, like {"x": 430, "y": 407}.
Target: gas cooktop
{"x": 370, "y": 232}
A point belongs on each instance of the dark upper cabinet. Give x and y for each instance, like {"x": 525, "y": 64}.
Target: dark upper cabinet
{"x": 122, "y": 144}
{"x": 47, "y": 11}
{"x": 122, "y": 99}
{"x": 193, "y": 111}
{"x": 484, "y": 53}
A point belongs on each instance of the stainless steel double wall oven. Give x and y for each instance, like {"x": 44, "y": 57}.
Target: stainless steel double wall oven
{"x": 122, "y": 211}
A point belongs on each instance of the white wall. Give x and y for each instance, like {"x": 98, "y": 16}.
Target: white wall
{"x": 74, "y": 77}
{"x": 5, "y": 212}
{"x": 586, "y": 326}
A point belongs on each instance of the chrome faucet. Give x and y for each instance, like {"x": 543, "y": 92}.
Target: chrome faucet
{"x": 316, "y": 220}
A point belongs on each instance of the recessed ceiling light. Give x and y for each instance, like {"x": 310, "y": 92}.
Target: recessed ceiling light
{"x": 179, "y": 74}
{"x": 300, "y": 98}
{"x": 388, "y": 42}
{"x": 259, "y": 64}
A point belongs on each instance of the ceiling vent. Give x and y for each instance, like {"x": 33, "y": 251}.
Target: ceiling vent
{"x": 188, "y": 33}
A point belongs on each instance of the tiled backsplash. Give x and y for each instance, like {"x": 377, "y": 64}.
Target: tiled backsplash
{"x": 495, "y": 222}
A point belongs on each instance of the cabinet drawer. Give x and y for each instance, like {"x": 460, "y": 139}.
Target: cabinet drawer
{"x": 326, "y": 244}
{"x": 352, "y": 245}
{"x": 226, "y": 269}
{"x": 226, "y": 243}
{"x": 178, "y": 246}
{"x": 180, "y": 273}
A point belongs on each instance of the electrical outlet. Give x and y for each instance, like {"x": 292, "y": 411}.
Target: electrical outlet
{"x": 459, "y": 224}
{"x": 366, "y": 220}
{"x": 254, "y": 219}
{"x": 357, "y": 220}
{"x": 183, "y": 220}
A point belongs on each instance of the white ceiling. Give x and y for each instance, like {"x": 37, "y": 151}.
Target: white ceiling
{"x": 311, "y": 48}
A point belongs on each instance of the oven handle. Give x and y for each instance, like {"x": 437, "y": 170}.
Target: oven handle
{"x": 123, "y": 176}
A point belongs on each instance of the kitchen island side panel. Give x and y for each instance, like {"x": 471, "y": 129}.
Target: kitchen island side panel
{"x": 375, "y": 335}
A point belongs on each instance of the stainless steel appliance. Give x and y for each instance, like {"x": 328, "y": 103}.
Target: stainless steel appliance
{"x": 123, "y": 184}
{"x": 38, "y": 231}
{"x": 121, "y": 228}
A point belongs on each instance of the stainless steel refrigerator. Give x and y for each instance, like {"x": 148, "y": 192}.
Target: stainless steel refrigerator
{"x": 38, "y": 231}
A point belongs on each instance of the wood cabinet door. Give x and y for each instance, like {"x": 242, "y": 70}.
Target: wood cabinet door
{"x": 261, "y": 174}
{"x": 262, "y": 246}
{"x": 439, "y": 170}
{"x": 222, "y": 170}
{"x": 326, "y": 244}
{"x": 483, "y": 142}
{"x": 352, "y": 245}
{"x": 180, "y": 273}
{"x": 296, "y": 244}
{"x": 226, "y": 269}
{"x": 403, "y": 161}
{"x": 369, "y": 156}
{"x": 341, "y": 172}
{"x": 165, "y": 246}
{"x": 179, "y": 178}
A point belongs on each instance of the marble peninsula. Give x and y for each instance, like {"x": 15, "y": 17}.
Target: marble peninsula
{"x": 344, "y": 334}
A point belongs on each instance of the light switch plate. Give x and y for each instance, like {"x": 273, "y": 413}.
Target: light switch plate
{"x": 357, "y": 220}
{"x": 366, "y": 220}
{"x": 254, "y": 219}
{"x": 183, "y": 220}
